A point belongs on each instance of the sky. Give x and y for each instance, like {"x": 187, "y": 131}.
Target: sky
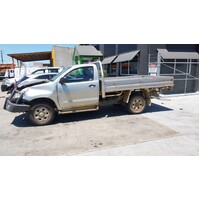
{"x": 25, "y": 48}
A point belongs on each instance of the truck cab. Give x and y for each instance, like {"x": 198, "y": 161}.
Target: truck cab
{"x": 78, "y": 89}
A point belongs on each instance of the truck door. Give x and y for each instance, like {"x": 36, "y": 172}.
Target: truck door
{"x": 79, "y": 89}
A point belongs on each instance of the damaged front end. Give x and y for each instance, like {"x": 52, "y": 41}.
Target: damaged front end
{"x": 14, "y": 103}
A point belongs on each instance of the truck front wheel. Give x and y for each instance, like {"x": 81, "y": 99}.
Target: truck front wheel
{"x": 41, "y": 114}
{"x": 136, "y": 104}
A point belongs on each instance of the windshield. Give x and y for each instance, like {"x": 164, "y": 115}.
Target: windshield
{"x": 23, "y": 78}
{"x": 59, "y": 74}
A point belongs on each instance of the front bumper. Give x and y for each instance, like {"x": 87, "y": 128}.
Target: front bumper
{"x": 14, "y": 107}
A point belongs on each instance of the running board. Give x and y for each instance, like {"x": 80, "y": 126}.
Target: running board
{"x": 77, "y": 111}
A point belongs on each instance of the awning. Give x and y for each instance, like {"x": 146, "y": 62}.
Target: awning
{"x": 126, "y": 56}
{"x": 108, "y": 60}
{"x": 34, "y": 56}
{"x": 165, "y": 54}
{"x": 87, "y": 50}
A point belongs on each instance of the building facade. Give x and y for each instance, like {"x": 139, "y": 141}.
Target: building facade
{"x": 61, "y": 56}
{"x": 85, "y": 54}
{"x": 178, "y": 60}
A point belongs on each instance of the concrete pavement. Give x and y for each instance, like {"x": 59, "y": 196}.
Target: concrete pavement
{"x": 183, "y": 117}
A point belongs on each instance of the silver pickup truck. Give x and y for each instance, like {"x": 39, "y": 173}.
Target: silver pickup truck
{"x": 83, "y": 88}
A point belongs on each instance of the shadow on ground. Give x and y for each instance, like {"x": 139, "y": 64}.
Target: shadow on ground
{"x": 107, "y": 111}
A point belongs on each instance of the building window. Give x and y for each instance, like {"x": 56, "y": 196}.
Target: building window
{"x": 124, "y": 68}
{"x": 111, "y": 69}
{"x": 133, "y": 67}
{"x": 128, "y": 67}
{"x": 86, "y": 60}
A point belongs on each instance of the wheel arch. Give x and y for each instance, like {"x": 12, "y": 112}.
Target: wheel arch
{"x": 128, "y": 94}
{"x": 137, "y": 103}
{"x": 43, "y": 100}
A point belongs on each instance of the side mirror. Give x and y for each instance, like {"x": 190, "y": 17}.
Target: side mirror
{"x": 62, "y": 80}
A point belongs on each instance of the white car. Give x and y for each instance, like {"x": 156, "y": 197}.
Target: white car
{"x": 25, "y": 80}
{"x": 47, "y": 70}
{"x": 9, "y": 83}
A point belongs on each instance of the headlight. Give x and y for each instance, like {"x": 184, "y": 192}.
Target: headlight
{"x": 16, "y": 95}
{"x": 6, "y": 82}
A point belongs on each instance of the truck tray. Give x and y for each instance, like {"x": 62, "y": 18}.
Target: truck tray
{"x": 114, "y": 84}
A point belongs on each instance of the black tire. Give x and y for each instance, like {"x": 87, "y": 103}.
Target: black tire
{"x": 41, "y": 114}
{"x": 136, "y": 104}
{"x": 4, "y": 88}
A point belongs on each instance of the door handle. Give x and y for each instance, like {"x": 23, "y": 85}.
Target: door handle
{"x": 91, "y": 86}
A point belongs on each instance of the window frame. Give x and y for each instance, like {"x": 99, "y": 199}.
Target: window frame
{"x": 82, "y": 79}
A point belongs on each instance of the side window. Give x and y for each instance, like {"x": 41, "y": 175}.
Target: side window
{"x": 43, "y": 77}
{"x": 53, "y": 71}
{"x": 80, "y": 74}
{"x": 39, "y": 71}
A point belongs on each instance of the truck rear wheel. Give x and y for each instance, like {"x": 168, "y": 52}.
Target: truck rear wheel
{"x": 41, "y": 114}
{"x": 136, "y": 104}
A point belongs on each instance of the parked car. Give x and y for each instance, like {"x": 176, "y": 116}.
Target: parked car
{"x": 9, "y": 82}
{"x": 9, "y": 85}
{"x": 10, "y": 73}
{"x": 83, "y": 88}
{"x": 47, "y": 70}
